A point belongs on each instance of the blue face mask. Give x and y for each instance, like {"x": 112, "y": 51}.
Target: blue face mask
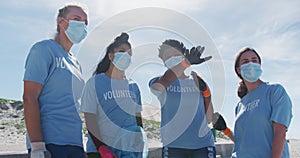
{"x": 76, "y": 31}
{"x": 122, "y": 60}
{"x": 173, "y": 61}
{"x": 251, "y": 71}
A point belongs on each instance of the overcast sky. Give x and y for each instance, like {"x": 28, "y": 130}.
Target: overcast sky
{"x": 271, "y": 27}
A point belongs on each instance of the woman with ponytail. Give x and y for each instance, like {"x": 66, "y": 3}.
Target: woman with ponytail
{"x": 52, "y": 88}
{"x": 112, "y": 106}
{"x": 263, "y": 114}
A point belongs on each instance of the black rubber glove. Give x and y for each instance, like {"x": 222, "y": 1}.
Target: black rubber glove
{"x": 194, "y": 55}
{"x": 219, "y": 122}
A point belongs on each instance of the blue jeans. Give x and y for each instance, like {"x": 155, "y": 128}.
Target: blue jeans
{"x": 206, "y": 152}
{"x": 64, "y": 151}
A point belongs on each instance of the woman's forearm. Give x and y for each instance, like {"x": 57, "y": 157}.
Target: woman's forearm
{"x": 278, "y": 140}
{"x": 169, "y": 77}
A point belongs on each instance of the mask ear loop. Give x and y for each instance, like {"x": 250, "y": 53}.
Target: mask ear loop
{"x": 66, "y": 22}
{"x": 109, "y": 57}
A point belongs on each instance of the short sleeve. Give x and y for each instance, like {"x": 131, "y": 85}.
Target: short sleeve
{"x": 281, "y": 105}
{"x": 137, "y": 100}
{"x": 236, "y": 109}
{"x": 38, "y": 63}
{"x": 89, "y": 100}
{"x": 202, "y": 85}
{"x": 151, "y": 82}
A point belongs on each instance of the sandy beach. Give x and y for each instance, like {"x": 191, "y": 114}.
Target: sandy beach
{"x": 12, "y": 130}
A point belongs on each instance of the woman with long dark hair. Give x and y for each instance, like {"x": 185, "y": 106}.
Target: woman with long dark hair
{"x": 112, "y": 106}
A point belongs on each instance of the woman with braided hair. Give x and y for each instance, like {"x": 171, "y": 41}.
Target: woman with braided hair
{"x": 263, "y": 114}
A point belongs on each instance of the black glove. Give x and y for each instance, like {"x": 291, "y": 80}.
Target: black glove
{"x": 219, "y": 122}
{"x": 193, "y": 56}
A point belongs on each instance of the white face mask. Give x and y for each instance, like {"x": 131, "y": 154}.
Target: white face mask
{"x": 122, "y": 60}
{"x": 76, "y": 31}
{"x": 251, "y": 71}
{"x": 173, "y": 61}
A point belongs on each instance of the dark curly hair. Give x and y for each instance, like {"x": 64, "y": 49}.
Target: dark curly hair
{"x": 171, "y": 43}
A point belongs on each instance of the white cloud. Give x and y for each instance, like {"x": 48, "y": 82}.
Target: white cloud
{"x": 107, "y": 8}
{"x": 271, "y": 27}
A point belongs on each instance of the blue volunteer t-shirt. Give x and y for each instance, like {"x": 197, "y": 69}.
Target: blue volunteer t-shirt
{"x": 254, "y": 116}
{"x": 60, "y": 74}
{"x": 183, "y": 120}
{"x": 115, "y": 103}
